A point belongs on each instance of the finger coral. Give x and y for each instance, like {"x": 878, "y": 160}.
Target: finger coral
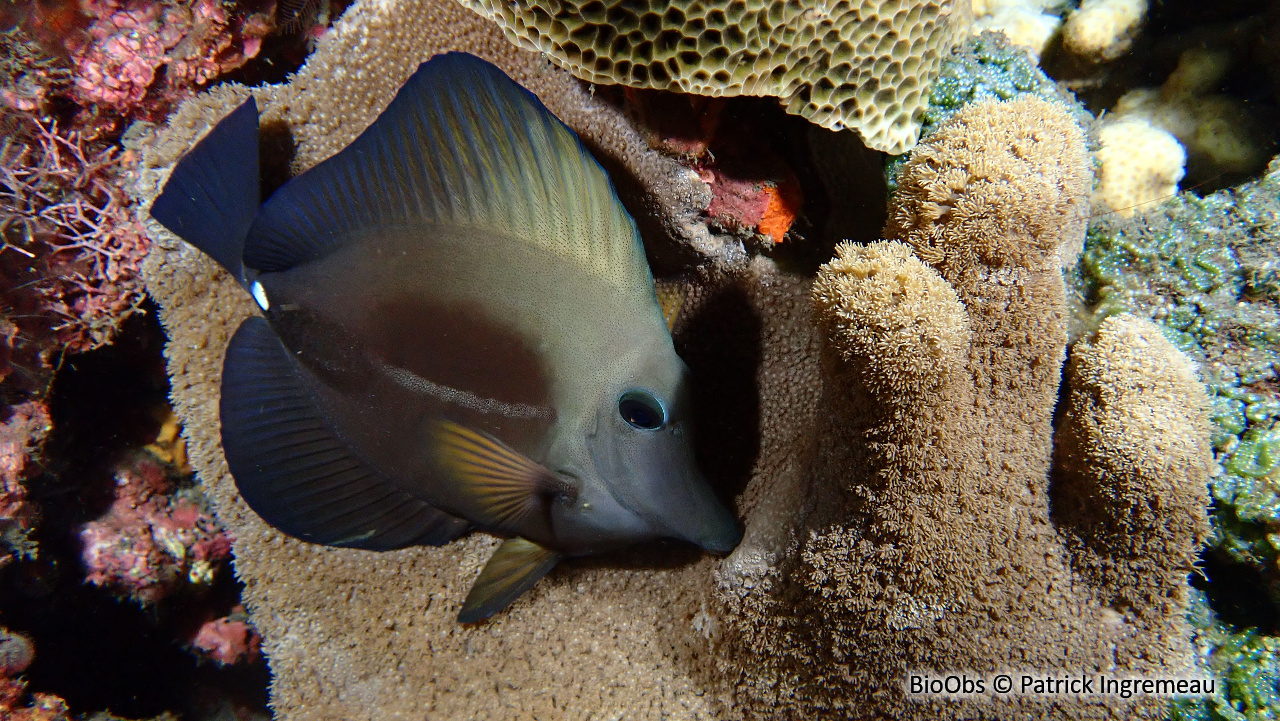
{"x": 1133, "y": 458}
{"x": 860, "y": 64}
{"x": 935, "y": 548}
{"x": 1206, "y": 271}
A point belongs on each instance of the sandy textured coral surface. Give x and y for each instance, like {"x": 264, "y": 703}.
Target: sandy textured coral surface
{"x": 860, "y": 64}
{"x": 936, "y": 548}
{"x": 359, "y": 635}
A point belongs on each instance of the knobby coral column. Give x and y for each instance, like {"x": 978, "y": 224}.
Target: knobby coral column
{"x": 944, "y": 349}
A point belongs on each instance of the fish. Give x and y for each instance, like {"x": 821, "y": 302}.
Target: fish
{"x": 458, "y": 330}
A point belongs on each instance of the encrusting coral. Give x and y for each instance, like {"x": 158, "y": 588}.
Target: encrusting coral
{"x": 656, "y": 634}
{"x": 860, "y": 64}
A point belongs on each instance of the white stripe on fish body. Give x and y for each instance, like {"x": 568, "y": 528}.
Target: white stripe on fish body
{"x": 417, "y": 384}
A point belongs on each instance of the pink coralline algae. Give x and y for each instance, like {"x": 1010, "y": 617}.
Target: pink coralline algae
{"x": 140, "y": 57}
{"x": 155, "y": 536}
{"x": 72, "y": 246}
{"x": 768, "y": 207}
{"x": 229, "y": 640}
{"x": 21, "y": 434}
{"x": 16, "y": 654}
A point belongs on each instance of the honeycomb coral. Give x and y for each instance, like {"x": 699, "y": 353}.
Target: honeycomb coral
{"x": 1138, "y": 164}
{"x": 860, "y": 64}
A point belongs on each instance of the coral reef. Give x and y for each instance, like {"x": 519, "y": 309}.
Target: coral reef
{"x": 860, "y": 64}
{"x": 72, "y": 247}
{"x": 16, "y": 654}
{"x": 228, "y": 640}
{"x": 359, "y": 635}
{"x": 1138, "y": 164}
{"x": 1103, "y": 30}
{"x": 21, "y": 435}
{"x": 155, "y": 536}
{"x": 1205, "y": 270}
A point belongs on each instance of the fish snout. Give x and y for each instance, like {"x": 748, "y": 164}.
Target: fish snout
{"x": 716, "y": 530}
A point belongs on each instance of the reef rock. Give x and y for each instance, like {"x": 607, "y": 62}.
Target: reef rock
{"x": 886, "y": 530}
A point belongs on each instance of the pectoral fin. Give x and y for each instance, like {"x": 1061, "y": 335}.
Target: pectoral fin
{"x": 511, "y": 570}
{"x": 501, "y": 488}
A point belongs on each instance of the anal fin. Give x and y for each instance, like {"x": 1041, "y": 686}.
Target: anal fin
{"x": 296, "y": 472}
{"x": 512, "y": 569}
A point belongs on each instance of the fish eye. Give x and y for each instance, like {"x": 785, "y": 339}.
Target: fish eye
{"x": 641, "y": 410}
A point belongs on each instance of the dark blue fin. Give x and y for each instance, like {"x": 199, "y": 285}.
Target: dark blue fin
{"x": 460, "y": 145}
{"x": 295, "y": 472}
{"x": 212, "y": 194}
{"x": 511, "y": 570}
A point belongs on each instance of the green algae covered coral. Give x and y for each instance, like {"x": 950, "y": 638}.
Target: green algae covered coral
{"x": 1246, "y": 663}
{"x": 1205, "y": 269}
{"x": 987, "y": 67}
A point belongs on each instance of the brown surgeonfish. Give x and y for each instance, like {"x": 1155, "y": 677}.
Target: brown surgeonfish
{"x": 459, "y": 330}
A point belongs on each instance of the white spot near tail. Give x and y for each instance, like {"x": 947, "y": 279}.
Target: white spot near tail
{"x": 260, "y": 295}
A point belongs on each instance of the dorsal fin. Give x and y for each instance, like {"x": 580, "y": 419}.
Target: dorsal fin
{"x": 464, "y": 145}
{"x": 212, "y": 194}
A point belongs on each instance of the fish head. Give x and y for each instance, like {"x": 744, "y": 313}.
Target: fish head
{"x": 630, "y": 454}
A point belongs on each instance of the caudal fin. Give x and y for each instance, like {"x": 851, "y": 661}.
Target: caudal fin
{"x": 212, "y": 195}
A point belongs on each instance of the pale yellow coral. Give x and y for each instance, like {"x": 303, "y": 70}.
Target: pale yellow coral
{"x": 1024, "y": 22}
{"x": 1138, "y": 164}
{"x": 982, "y": 180}
{"x": 1103, "y": 29}
{"x": 1219, "y": 133}
{"x": 860, "y": 64}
